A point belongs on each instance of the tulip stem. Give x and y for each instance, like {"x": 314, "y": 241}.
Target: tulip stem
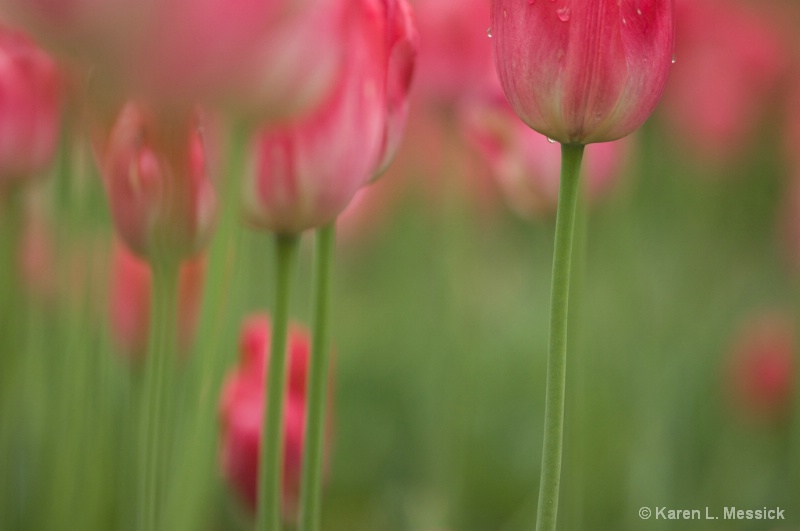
{"x": 270, "y": 470}
{"x": 311, "y": 486}
{"x": 571, "y": 156}
{"x": 157, "y": 386}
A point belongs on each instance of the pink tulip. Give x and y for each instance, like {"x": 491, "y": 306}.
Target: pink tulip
{"x": 525, "y": 164}
{"x": 242, "y": 413}
{"x": 730, "y": 63}
{"x": 270, "y": 58}
{"x": 762, "y": 369}
{"x": 129, "y": 301}
{"x": 308, "y": 171}
{"x": 583, "y": 71}
{"x": 455, "y": 56}
{"x": 155, "y": 173}
{"x": 30, "y": 108}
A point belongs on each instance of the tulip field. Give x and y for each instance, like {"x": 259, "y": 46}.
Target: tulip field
{"x": 399, "y": 265}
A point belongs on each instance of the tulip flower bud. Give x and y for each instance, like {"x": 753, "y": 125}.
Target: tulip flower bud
{"x": 583, "y": 71}
{"x": 242, "y": 414}
{"x": 308, "y": 171}
{"x": 29, "y": 108}
{"x": 129, "y": 300}
{"x": 162, "y": 200}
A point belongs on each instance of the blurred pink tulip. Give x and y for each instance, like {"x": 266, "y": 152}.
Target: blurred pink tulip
{"x": 30, "y": 108}
{"x": 265, "y": 57}
{"x": 242, "y": 413}
{"x": 455, "y": 54}
{"x": 129, "y": 300}
{"x": 730, "y": 62}
{"x": 308, "y": 171}
{"x": 525, "y": 164}
{"x": 583, "y": 71}
{"x": 762, "y": 368}
{"x": 156, "y": 177}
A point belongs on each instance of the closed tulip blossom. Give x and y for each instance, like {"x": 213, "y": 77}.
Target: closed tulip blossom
{"x": 155, "y": 174}
{"x": 583, "y": 71}
{"x": 30, "y": 108}
{"x": 307, "y": 171}
{"x": 577, "y": 72}
{"x": 242, "y": 409}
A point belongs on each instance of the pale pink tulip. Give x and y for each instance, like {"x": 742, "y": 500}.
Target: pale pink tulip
{"x": 525, "y": 164}
{"x": 154, "y": 170}
{"x": 455, "y": 54}
{"x": 730, "y": 64}
{"x": 307, "y": 171}
{"x": 583, "y": 71}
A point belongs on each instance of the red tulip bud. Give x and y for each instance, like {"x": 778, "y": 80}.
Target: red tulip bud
{"x": 242, "y": 414}
{"x": 30, "y": 106}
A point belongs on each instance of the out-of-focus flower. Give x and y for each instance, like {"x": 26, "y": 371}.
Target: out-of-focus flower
{"x": 730, "y": 63}
{"x": 243, "y": 400}
{"x": 584, "y": 71}
{"x": 155, "y": 173}
{"x": 129, "y": 301}
{"x": 30, "y": 108}
{"x": 762, "y": 368}
{"x": 266, "y": 57}
{"x": 525, "y": 164}
{"x": 455, "y": 54}
{"x": 308, "y": 171}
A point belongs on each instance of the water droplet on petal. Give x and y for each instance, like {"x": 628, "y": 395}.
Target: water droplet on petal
{"x": 624, "y": 21}
{"x": 489, "y": 32}
{"x": 638, "y": 11}
{"x": 505, "y": 13}
{"x": 563, "y": 14}
{"x": 551, "y": 140}
{"x": 674, "y": 59}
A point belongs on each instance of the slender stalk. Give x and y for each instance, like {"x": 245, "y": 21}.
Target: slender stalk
{"x": 270, "y": 470}
{"x": 159, "y": 365}
{"x": 571, "y": 156}
{"x": 317, "y": 391}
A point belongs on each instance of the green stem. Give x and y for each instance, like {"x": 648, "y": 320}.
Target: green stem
{"x": 159, "y": 366}
{"x": 571, "y": 156}
{"x": 317, "y": 391}
{"x": 271, "y": 463}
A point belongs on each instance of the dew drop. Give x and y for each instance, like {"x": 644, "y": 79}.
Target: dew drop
{"x": 563, "y": 14}
{"x": 505, "y": 13}
{"x": 489, "y": 32}
{"x": 551, "y": 140}
{"x": 638, "y": 11}
{"x": 674, "y": 59}
{"x": 624, "y": 21}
